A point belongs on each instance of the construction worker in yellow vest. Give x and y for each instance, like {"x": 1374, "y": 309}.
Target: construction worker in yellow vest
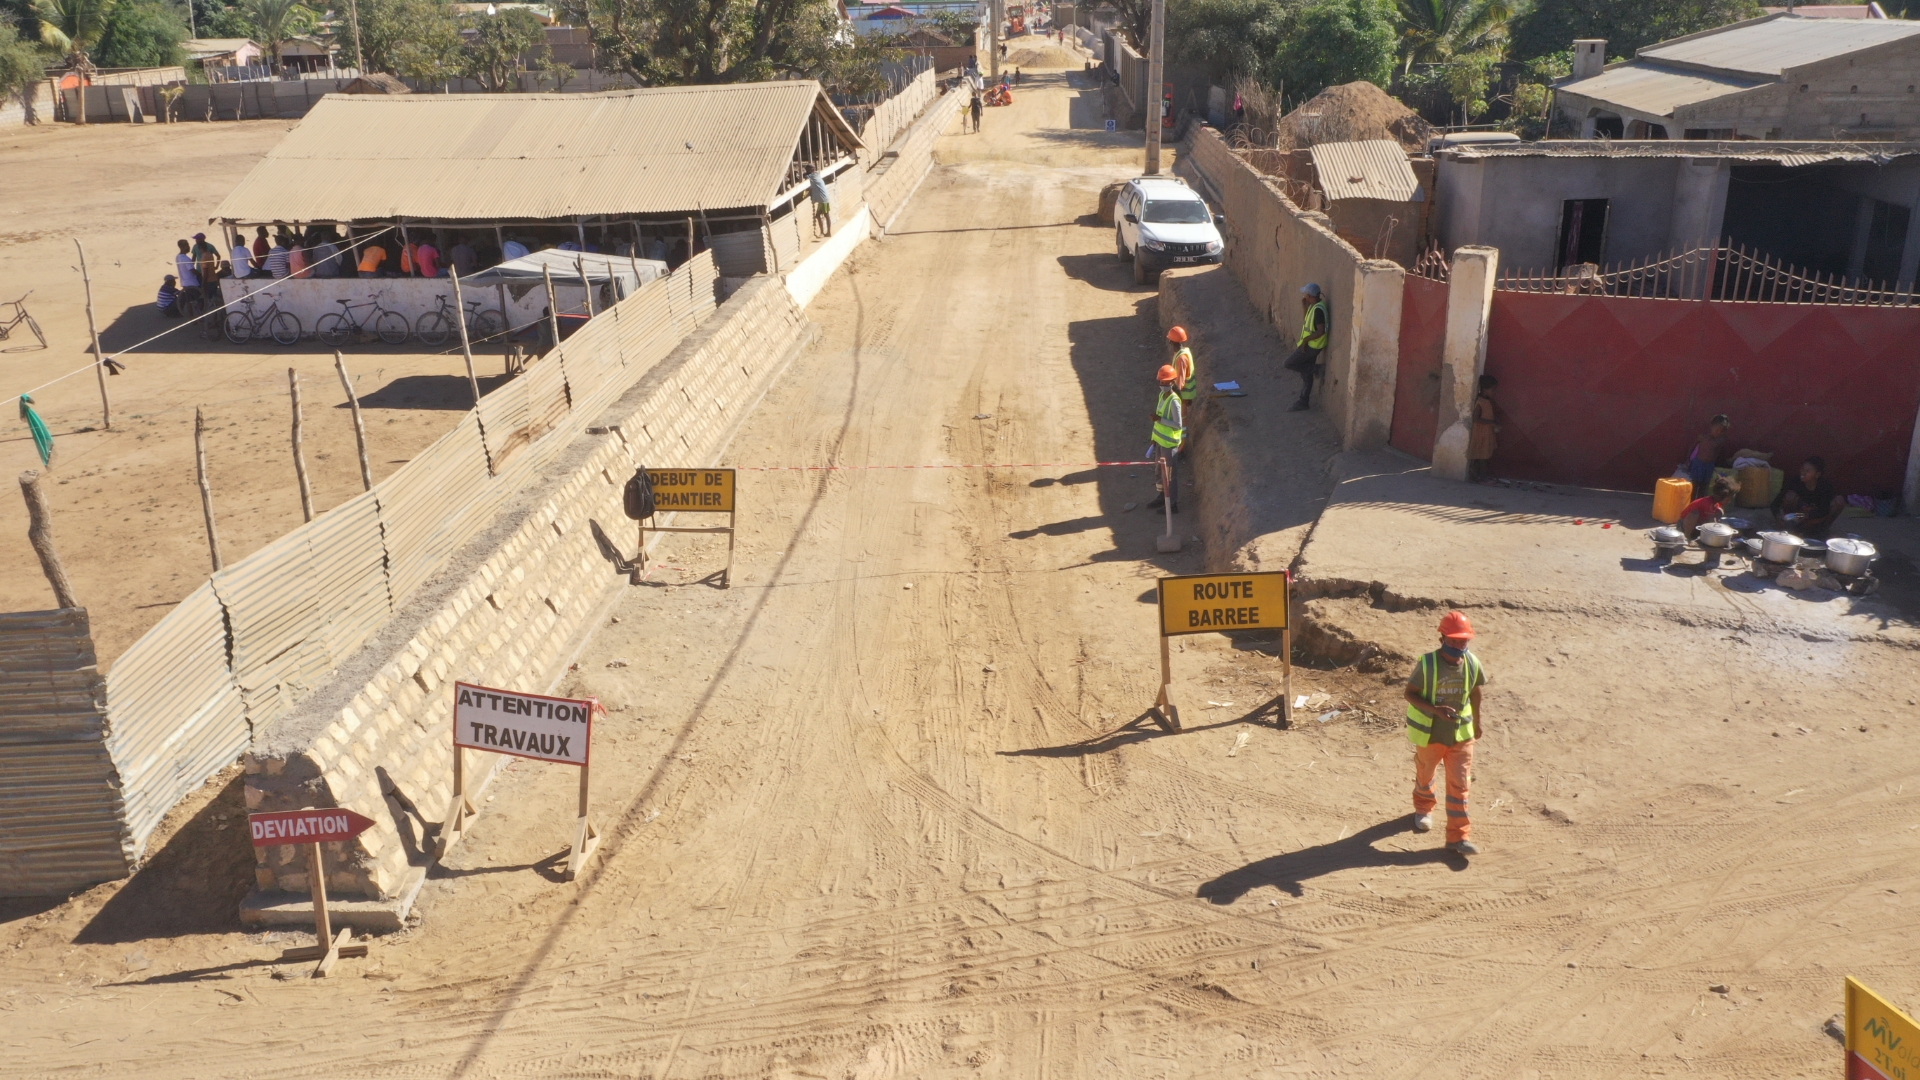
{"x": 1184, "y": 381}
{"x": 1443, "y": 721}
{"x": 1305, "y": 358}
{"x": 1169, "y": 431}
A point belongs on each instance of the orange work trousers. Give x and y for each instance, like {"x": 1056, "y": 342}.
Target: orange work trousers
{"x": 1459, "y": 762}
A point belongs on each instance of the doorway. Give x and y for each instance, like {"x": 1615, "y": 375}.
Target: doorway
{"x": 1583, "y": 231}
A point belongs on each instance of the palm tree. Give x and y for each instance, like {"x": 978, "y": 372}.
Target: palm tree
{"x": 276, "y": 22}
{"x": 1440, "y": 31}
{"x": 73, "y": 28}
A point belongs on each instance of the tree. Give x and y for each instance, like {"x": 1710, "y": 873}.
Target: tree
{"x": 142, "y": 33}
{"x": 414, "y": 39}
{"x": 1627, "y": 25}
{"x": 276, "y": 22}
{"x": 1442, "y": 31}
{"x": 495, "y": 45}
{"x": 958, "y": 27}
{"x": 676, "y": 42}
{"x": 20, "y": 64}
{"x": 1228, "y": 38}
{"x": 73, "y": 28}
{"x": 1333, "y": 42}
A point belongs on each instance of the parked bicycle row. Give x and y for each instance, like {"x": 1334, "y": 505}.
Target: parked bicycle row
{"x": 248, "y": 321}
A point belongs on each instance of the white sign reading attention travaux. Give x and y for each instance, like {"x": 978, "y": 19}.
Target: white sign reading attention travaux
{"x": 526, "y": 725}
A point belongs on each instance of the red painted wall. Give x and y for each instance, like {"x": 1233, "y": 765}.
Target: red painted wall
{"x": 1611, "y": 391}
{"x": 1416, "y": 388}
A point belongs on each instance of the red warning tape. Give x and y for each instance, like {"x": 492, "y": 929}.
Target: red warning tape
{"x": 1024, "y": 465}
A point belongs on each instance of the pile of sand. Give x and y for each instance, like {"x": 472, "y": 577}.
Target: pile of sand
{"x": 1353, "y": 112}
{"x": 1041, "y": 56}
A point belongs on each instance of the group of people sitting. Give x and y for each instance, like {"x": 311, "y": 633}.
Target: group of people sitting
{"x": 1807, "y": 504}
{"x": 321, "y": 252}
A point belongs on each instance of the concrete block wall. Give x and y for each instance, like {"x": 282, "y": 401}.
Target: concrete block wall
{"x": 888, "y": 188}
{"x": 504, "y": 611}
{"x": 1274, "y": 248}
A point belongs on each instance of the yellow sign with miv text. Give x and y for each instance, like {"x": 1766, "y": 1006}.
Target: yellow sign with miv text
{"x": 699, "y": 491}
{"x": 1211, "y": 603}
{"x": 1883, "y": 1043}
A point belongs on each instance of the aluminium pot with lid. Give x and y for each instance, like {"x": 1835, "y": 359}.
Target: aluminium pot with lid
{"x": 1667, "y": 536}
{"x": 1780, "y": 547}
{"x": 1850, "y": 557}
{"x": 1715, "y": 534}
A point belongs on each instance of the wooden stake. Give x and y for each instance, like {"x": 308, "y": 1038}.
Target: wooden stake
{"x": 553, "y": 307}
{"x": 40, "y": 535}
{"x": 331, "y": 947}
{"x": 359, "y": 426}
{"x": 206, "y": 489}
{"x": 1169, "y": 712}
{"x": 99, "y": 360}
{"x": 299, "y": 452}
{"x": 586, "y": 838}
{"x": 1286, "y": 658}
{"x": 455, "y": 826}
{"x": 466, "y": 345}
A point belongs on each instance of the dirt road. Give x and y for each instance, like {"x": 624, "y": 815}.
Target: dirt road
{"x": 878, "y": 810}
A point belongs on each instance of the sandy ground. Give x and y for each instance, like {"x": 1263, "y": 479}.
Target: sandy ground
{"x": 886, "y": 807}
{"x": 126, "y": 507}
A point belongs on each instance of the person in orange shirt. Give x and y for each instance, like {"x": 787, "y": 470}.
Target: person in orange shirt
{"x": 372, "y": 257}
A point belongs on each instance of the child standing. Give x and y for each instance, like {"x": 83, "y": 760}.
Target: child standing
{"x": 1486, "y": 431}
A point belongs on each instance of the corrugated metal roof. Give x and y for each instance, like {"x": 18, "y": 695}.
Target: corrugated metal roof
{"x": 1757, "y": 153}
{"x": 494, "y": 156}
{"x": 1656, "y": 91}
{"x": 1373, "y": 169}
{"x": 1768, "y": 47}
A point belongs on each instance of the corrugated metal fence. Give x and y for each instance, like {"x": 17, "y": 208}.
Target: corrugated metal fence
{"x": 242, "y": 649}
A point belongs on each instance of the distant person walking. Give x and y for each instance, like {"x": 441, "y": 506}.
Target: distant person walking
{"x": 974, "y": 107}
{"x": 1305, "y": 358}
{"x": 1443, "y": 720}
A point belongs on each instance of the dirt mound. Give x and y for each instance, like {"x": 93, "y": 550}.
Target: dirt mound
{"x": 1041, "y": 56}
{"x": 1353, "y": 112}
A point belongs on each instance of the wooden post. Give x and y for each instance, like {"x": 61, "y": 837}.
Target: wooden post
{"x": 299, "y": 452}
{"x": 466, "y": 345}
{"x": 455, "y": 826}
{"x": 580, "y": 267}
{"x": 359, "y": 426}
{"x": 691, "y": 240}
{"x": 99, "y": 360}
{"x": 586, "y": 838}
{"x": 1286, "y": 658}
{"x": 1169, "y": 713}
{"x": 1167, "y": 542}
{"x": 331, "y": 947}
{"x": 40, "y": 535}
{"x": 206, "y": 489}
{"x": 317, "y": 884}
{"x": 553, "y": 307}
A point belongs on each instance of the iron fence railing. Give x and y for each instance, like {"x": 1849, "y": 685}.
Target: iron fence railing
{"x": 1726, "y": 272}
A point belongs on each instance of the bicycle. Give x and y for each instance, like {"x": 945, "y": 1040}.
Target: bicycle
{"x": 243, "y": 326}
{"x": 20, "y": 316}
{"x": 335, "y": 327}
{"x": 433, "y": 327}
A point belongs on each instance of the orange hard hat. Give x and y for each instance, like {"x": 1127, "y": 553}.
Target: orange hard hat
{"x": 1178, "y": 333}
{"x": 1455, "y": 625}
{"x": 1167, "y": 374}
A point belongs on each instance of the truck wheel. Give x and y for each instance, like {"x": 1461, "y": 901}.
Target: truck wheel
{"x": 1120, "y": 245}
{"x": 1142, "y": 275}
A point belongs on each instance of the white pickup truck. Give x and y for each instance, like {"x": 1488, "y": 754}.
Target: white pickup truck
{"x": 1160, "y": 222}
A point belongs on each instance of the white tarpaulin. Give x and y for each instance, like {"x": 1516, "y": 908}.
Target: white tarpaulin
{"x": 573, "y": 268}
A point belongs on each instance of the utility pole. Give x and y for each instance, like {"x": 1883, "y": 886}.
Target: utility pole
{"x": 353, "y": 20}
{"x": 1156, "y": 75}
{"x": 993, "y": 38}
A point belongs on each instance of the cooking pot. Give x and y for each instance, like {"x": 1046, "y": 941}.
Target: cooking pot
{"x": 1850, "y": 557}
{"x": 1715, "y": 534}
{"x": 1667, "y": 536}
{"x": 1779, "y": 547}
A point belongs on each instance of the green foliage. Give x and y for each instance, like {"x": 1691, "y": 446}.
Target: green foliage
{"x": 1305, "y": 45}
{"x": 414, "y": 39}
{"x": 674, "y": 42}
{"x": 73, "y": 28}
{"x": 957, "y": 26}
{"x": 275, "y": 22}
{"x": 1445, "y": 31}
{"x": 492, "y": 53}
{"x": 142, "y": 33}
{"x": 20, "y": 62}
{"x": 1627, "y": 25}
{"x": 221, "y": 21}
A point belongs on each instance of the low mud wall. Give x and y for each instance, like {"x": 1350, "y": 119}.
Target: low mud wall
{"x": 506, "y": 612}
{"x": 892, "y": 180}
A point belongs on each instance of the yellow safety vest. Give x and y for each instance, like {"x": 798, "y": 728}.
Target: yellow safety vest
{"x": 1431, "y": 675}
{"x": 1306, "y": 328}
{"x": 1168, "y": 424}
{"x": 1183, "y": 374}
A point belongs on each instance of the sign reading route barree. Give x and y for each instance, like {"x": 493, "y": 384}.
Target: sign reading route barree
{"x": 525, "y": 725}
{"x": 1210, "y": 603}
{"x": 706, "y": 491}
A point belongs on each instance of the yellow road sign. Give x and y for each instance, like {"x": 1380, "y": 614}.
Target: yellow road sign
{"x": 1210, "y": 603}
{"x": 700, "y": 491}
{"x": 1883, "y": 1043}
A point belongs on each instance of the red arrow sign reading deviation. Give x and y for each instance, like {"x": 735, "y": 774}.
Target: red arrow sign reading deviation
{"x": 306, "y": 826}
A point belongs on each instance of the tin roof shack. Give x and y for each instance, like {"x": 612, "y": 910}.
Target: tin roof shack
{"x": 1373, "y": 197}
{"x": 1848, "y": 211}
{"x": 1781, "y": 76}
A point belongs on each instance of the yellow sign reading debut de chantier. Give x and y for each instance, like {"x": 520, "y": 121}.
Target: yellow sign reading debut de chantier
{"x": 1210, "y": 603}
{"x": 708, "y": 491}
{"x": 1883, "y": 1043}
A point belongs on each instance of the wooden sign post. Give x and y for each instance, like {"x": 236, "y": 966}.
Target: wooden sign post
{"x": 1213, "y": 603}
{"x": 692, "y": 491}
{"x": 529, "y": 726}
{"x": 313, "y": 828}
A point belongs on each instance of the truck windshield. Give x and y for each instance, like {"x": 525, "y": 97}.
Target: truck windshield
{"x": 1178, "y": 212}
